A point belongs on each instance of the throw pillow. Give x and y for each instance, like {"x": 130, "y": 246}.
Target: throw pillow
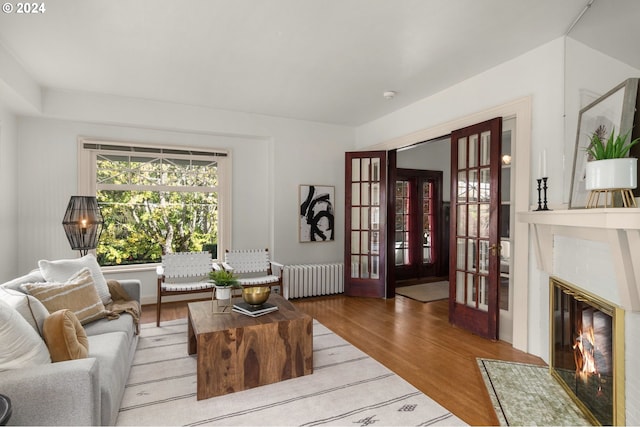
{"x": 79, "y": 296}
{"x": 65, "y": 336}
{"x": 31, "y": 277}
{"x": 33, "y": 311}
{"x": 60, "y": 271}
{"x": 20, "y": 346}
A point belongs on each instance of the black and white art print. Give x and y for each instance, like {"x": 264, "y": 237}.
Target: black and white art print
{"x": 316, "y": 213}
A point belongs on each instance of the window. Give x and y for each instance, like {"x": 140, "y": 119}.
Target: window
{"x": 155, "y": 200}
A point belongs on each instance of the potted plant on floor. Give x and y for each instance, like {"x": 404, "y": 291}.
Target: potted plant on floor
{"x": 608, "y": 168}
{"x": 223, "y": 281}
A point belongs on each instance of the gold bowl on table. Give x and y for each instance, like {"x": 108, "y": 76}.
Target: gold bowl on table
{"x": 256, "y": 295}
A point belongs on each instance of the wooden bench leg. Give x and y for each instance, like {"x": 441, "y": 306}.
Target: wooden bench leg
{"x": 158, "y": 303}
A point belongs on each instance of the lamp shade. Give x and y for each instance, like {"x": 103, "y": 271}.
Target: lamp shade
{"x": 83, "y": 223}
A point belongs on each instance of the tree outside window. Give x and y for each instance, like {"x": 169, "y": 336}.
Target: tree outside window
{"x": 155, "y": 204}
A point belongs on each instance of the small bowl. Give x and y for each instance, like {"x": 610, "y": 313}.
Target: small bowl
{"x": 256, "y": 295}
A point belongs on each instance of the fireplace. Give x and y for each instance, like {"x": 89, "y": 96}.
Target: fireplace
{"x": 587, "y": 351}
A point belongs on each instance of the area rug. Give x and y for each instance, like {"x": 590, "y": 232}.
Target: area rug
{"x": 425, "y": 292}
{"x": 527, "y": 395}
{"x": 347, "y": 387}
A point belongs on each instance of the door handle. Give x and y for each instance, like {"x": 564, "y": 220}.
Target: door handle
{"x": 495, "y": 249}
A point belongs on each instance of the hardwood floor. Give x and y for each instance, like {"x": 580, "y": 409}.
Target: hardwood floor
{"x": 413, "y": 339}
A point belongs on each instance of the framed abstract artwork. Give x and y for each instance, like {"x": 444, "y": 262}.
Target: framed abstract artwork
{"x": 316, "y": 213}
{"x": 615, "y": 110}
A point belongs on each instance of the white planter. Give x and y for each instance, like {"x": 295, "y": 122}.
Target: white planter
{"x": 223, "y": 292}
{"x": 612, "y": 174}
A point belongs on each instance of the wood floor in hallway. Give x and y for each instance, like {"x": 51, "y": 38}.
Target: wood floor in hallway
{"x": 413, "y": 339}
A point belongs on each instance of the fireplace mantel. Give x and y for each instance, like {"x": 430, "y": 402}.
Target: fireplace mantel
{"x": 620, "y": 227}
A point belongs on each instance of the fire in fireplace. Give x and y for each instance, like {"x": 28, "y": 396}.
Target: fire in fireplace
{"x": 587, "y": 352}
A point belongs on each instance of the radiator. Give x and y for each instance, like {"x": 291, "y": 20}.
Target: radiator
{"x": 308, "y": 280}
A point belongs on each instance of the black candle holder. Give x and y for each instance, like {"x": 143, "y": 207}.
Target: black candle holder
{"x": 542, "y": 203}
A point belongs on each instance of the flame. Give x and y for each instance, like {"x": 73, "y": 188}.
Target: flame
{"x": 584, "y": 353}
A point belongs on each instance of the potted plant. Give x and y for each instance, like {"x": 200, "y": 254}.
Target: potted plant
{"x": 223, "y": 281}
{"x": 607, "y": 166}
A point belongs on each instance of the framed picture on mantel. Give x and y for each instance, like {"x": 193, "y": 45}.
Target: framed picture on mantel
{"x": 617, "y": 109}
{"x": 316, "y": 213}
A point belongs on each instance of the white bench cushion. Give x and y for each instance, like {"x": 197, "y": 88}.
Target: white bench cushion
{"x": 193, "y": 286}
{"x": 262, "y": 280}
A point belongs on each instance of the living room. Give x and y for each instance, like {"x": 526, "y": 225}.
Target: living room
{"x": 544, "y": 86}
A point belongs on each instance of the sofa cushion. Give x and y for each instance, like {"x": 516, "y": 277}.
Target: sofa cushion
{"x": 124, "y": 323}
{"x": 79, "y": 296}
{"x": 61, "y": 270}
{"x": 33, "y": 311}
{"x": 20, "y": 344}
{"x": 112, "y": 351}
{"x": 34, "y": 276}
{"x": 65, "y": 337}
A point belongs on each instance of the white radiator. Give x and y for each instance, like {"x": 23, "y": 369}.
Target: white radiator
{"x": 308, "y": 280}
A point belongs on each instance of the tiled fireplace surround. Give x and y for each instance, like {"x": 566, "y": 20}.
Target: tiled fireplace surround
{"x": 598, "y": 250}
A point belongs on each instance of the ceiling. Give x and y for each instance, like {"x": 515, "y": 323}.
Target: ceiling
{"x": 320, "y": 60}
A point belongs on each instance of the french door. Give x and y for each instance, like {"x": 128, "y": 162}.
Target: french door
{"x": 418, "y": 204}
{"x": 475, "y": 238}
{"x": 365, "y": 224}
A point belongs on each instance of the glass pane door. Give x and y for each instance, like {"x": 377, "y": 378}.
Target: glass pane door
{"x": 472, "y": 225}
{"x": 475, "y": 244}
{"x": 507, "y": 212}
{"x": 403, "y": 223}
{"x": 365, "y": 223}
{"x": 428, "y": 221}
{"x": 417, "y": 229}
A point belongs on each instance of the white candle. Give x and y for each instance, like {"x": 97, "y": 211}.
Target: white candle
{"x": 544, "y": 163}
{"x": 540, "y": 165}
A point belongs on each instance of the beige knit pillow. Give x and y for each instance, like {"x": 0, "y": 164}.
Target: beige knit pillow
{"x": 79, "y": 295}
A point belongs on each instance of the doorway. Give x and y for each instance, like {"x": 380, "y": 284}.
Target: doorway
{"x": 419, "y": 240}
{"x": 520, "y": 111}
{"x": 435, "y": 154}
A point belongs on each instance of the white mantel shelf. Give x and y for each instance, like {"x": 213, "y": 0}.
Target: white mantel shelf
{"x": 605, "y": 218}
{"x": 620, "y": 227}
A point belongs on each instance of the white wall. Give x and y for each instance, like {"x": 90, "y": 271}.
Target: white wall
{"x": 432, "y": 155}
{"x": 271, "y": 158}
{"x": 8, "y": 195}
{"x": 537, "y": 73}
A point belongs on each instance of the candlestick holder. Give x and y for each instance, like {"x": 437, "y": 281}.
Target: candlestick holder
{"x": 542, "y": 187}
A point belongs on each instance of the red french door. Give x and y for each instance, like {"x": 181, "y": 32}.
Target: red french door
{"x": 365, "y": 224}
{"x": 475, "y": 239}
{"x": 417, "y": 233}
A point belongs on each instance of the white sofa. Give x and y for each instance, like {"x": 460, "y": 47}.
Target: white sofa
{"x": 85, "y": 391}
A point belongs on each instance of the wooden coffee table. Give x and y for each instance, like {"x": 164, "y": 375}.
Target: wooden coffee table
{"x": 238, "y": 352}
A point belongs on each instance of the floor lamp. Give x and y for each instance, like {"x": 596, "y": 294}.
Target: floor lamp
{"x": 83, "y": 223}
